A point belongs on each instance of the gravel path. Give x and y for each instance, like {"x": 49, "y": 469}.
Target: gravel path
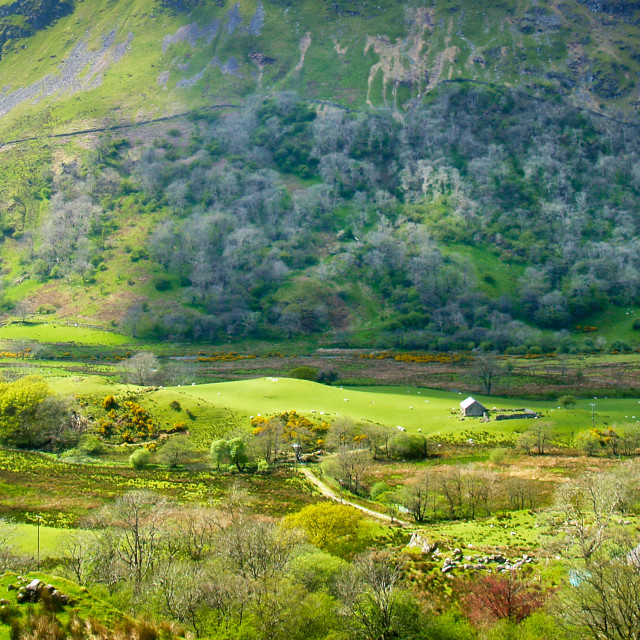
{"x": 327, "y": 492}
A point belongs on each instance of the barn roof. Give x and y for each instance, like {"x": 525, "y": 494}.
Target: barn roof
{"x": 465, "y": 404}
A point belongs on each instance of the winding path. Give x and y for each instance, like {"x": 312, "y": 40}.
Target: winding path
{"x": 327, "y": 492}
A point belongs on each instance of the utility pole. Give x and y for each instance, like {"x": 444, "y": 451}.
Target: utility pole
{"x": 593, "y": 414}
{"x": 39, "y": 520}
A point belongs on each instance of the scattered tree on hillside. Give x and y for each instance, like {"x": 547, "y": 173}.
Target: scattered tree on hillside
{"x": 348, "y": 466}
{"x": 219, "y": 452}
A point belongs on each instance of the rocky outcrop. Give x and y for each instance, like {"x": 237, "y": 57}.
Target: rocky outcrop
{"x": 38, "y": 591}
{"x": 478, "y": 563}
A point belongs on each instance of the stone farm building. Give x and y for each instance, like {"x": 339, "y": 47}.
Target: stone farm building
{"x": 472, "y": 408}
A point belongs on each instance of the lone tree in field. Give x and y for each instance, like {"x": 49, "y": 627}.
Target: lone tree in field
{"x": 142, "y": 369}
{"x": 488, "y": 368}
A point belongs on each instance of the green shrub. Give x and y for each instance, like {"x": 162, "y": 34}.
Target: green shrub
{"x": 620, "y": 345}
{"x": 139, "y": 254}
{"x": 497, "y": 455}
{"x": 327, "y": 376}
{"x": 140, "y": 458}
{"x": 409, "y": 445}
{"x": 91, "y": 445}
{"x": 46, "y": 309}
{"x": 163, "y": 284}
{"x": 304, "y": 373}
{"x": 263, "y": 466}
{"x": 109, "y": 402}
{"x": 567, "y": 401}
{"x": 588, "y": 442}
{"x": 378, "y": 489}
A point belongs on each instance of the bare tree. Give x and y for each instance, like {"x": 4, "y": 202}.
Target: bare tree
{"x": 418, "y": 495}
{"x": 184, "y": 589}
{"x": 521, "y": 493}
{"x": 142, "y": 368}
{"x": 257, "y": 549}
{"x": 488, "y": 368}
{"x": 589, "y": 505}
{"x": 543, "y": 433}
{"x": 135, "y": 532}
{"x": 192, "y": 532}
{"x": 603, "y": 602}
{"x": 450, "y": 483}
{"x": 78, "y": 556}
{"x": 378, "y": 439}
{"x": 23, "y": 309}
{"x": 479, "y": 487}
{"x": 348, "y": 466}
{"x": 374, "y": 602}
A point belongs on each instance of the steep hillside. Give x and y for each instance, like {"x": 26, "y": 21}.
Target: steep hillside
{"x": 65, "y": 64}
{"x": 426, "y": 174}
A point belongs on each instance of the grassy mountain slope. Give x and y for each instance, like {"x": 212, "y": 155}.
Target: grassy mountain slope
{"x": 136, "y": 58}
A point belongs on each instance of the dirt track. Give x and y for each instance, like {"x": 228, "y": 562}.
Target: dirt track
{"x": 327, "y": 492}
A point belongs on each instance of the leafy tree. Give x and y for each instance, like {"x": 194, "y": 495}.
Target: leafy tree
{"x": 409, "y": 445}
{"x": 178, "y": 450}
{"x": 238, "y": 453}
{"x": 219, "y": 452}
{"x": 329, "y": 526}
{"x": 318, "y": 569}
{"x": 31, "y": 416}
{"x": 304, "y": 373}
{"x": 588, "y": 441}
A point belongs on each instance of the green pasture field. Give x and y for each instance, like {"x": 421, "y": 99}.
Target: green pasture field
{"x": 52, "y": 332}
{"x": 24, "y": 538}
{"x": 215, "y": 410}
{"x": 434, "y": 412}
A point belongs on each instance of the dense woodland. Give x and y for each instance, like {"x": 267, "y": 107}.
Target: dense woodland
{"x": 278, "y": 220}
